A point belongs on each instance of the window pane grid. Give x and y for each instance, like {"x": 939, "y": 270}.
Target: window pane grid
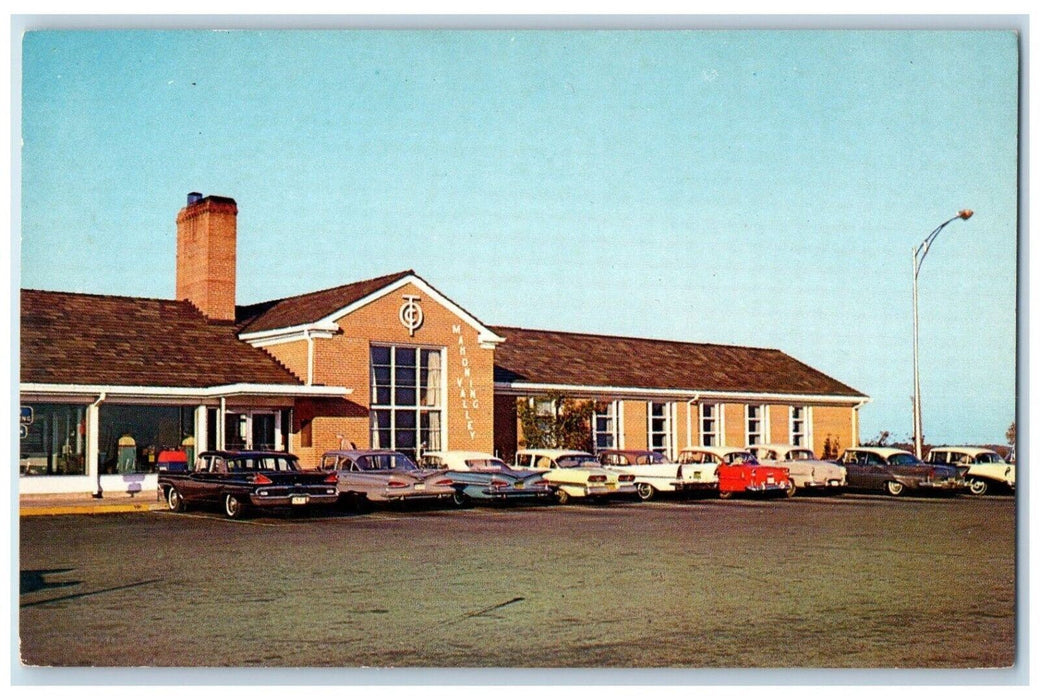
{"x": 405, "y": 405}
{"x": 659, "y": 426}
{"x": 755, "y": 427}
{"x": 709, "y": 424}
{"x": 604, "y": 427}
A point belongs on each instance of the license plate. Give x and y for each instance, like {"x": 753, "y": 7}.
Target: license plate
{"x": 518, "y": 485}
{"x": 300, "y": 500}
{"x": 611, "y": 487}
{"x": 420, "y": 487}
{"x": 770, "y": 480}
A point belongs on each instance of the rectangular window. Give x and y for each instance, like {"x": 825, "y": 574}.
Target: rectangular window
{"x": 756, "y": 424}
{"x": 710, "y": 427}
{"x": 605, "y": 426}
{"x": 406, "y": 409}
{"x": 800, "y": 426}
{"x": 131, "y": 437}
{"x": 53, "y": 439}
{"x": 659, "y": 427}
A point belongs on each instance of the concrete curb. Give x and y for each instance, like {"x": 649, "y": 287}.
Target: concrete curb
{"x": 87, "y": 509}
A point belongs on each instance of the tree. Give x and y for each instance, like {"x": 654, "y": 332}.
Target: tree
{"x": 831, "y": 447}
{"x": 566, "y": 426}
{"x": 1010, "y": 434}
{"x": 881, "y": 440}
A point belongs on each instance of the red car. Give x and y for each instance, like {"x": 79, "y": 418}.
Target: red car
{"x": 739, "y": 472}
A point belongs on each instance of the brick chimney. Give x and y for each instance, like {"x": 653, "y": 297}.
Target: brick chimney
{"x": 206, "y": 237}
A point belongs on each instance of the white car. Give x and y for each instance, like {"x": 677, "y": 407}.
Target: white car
{"x": 807, "y": 472}
{"x": 575, "y": 474}
{"x": 985, "y": 467}
{"x": 654, "y": 473}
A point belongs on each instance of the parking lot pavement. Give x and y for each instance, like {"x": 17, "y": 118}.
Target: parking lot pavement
{"x": 847, "y": 582}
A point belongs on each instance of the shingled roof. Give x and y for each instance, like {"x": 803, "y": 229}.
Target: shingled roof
{"x": 308, "y": 308}
{"x": 127, "y": 341}
{"x": 578, "y": 359}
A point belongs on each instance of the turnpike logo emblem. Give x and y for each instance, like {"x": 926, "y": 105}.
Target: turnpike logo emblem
{"x": 411, "y": 314}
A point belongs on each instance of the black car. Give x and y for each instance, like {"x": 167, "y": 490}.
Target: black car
{"x": 241, "y": 480}
{"x": 895, "y": 471}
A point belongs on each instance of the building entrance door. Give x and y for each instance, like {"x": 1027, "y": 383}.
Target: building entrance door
{"x": 253, "y": 430}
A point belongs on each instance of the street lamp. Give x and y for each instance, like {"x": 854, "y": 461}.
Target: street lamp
{"x": 919, "y": 253}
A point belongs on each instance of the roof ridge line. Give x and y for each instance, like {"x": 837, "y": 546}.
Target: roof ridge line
{"x": 632, "y": 337}
{"x": 106, "y": 296}
{"x": 400, "y": 273}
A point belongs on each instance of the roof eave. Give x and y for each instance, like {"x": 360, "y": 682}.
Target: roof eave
{"x": 167, "y": 392}
{"x": 525, "y": 388}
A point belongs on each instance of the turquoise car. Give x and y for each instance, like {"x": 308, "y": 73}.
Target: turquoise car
{"x": 478, "y": 476}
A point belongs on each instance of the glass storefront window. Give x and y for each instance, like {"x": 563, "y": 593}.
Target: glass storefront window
{"x": 53, "y": 439}
{"x": 131, "y": 437}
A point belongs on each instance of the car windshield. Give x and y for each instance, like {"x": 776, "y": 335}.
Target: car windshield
{"x": 800, "y": 455}
{"x": 264, "y": 463}
{"x": 988, "y": 458}
{"x": 486, "y": 465}
{"x": 650, "y": 458}
{"x": 902, "y": 459}
{"x": 568, "y": 461}
{"x": 740, "y": 458}
{"x": 385, "y": 461}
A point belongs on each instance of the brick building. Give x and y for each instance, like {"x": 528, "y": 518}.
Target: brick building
{"x": 108, "y": 382}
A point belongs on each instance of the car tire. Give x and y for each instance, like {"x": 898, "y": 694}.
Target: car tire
{"x": 460, "y": 499}
{"x": 175, "y": 501}
{"x": 360, "y": 503}
{"x": 894, "y": 488}
{"x": 646, "y": 492}
{"x": 725, "y": 494}
{"x": 978, "y": 487}
{"x": 562, "y": 497}
{"x": 791, "y": 489}
{"x": 234, "y": 507}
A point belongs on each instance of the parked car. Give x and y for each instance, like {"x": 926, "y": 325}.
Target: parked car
{"x": 654, "y": 473}
{"x": 478, "y": 476}
{"x": 986, "y": 468}
{"x": 240, "y": 480}
{"x": 738, "y": 471}
{"x": 807, "y": 472}
{"x": 896, "y": 471}
{"x": 172, "y": 461}
{"x": 576, "y": 474}
{"x": 384, "y": 475}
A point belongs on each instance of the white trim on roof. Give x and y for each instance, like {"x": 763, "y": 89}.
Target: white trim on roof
{"x": 524, "y": 388}
{"x": 278, "y": 336}
{"x": 485, "y": 336}
{"x": 166, "y": 392}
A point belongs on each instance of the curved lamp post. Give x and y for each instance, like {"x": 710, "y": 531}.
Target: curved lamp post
{"x": 919, "y": 253}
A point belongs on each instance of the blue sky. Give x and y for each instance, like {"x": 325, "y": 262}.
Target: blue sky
{"x": 751, "y": 187}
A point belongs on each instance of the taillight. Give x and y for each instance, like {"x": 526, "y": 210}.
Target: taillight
{"x": 597, "y": 478}
{"x": 499, "y": 484}
{"x": 396, "y": 484}
{"x": 540, "y": 483}
{"x": 260, "y": 479}
{"x": 332, "y": 478}
{"x": 444, "y": 482}
{"x": 626, "y": 477}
